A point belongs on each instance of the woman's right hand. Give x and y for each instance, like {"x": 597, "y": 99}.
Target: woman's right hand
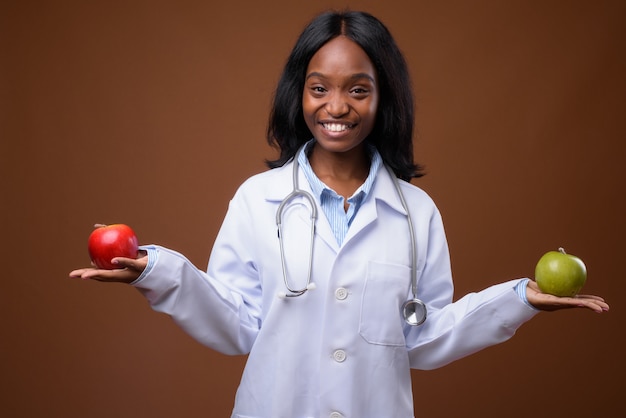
{"x": 129, "y": 270}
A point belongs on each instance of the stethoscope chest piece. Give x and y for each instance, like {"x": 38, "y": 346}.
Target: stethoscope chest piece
{"x": 414, "y": 312}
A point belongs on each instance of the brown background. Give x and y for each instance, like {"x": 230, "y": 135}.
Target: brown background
{"x": 153, "y": 112}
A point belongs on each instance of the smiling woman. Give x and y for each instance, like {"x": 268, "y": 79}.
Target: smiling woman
{"x": 339, "y": 347}
{"x": 152, "y": 113}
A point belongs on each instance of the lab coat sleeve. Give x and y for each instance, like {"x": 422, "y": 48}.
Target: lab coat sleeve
{"x": 457, "y": 329}
{"x": 219, "y": 308}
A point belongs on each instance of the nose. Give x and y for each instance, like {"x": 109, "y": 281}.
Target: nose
{"x": 337, "y": 105}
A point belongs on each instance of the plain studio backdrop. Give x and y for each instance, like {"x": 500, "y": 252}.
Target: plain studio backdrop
{"x": 151, "y": 113}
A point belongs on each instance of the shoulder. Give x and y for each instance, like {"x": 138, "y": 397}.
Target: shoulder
{"x": 385, "y": 189}
{"x": 413, "y": 192}
{"x": 420, "y": 203}
{"x": 270, "y": 184}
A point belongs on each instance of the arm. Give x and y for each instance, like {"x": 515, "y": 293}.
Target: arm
{"x": 202, "y": 307}
{"x": 478, "y": 320}
{"x": 212, "y": 311}
{"x": 219, "y": 308}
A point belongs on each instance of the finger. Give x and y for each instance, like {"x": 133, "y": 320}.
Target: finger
{"x": 597, "y": 306}
{"x": 598, "y": 298}
{"x": 594, "y": 304}
{"x": 118, "y": 275}
{"x": 88, "y": 273}
{"x": 78, "y": 273}
{"x": 138, "y": 264}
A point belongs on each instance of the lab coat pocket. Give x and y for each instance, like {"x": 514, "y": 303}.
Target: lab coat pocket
{"x": 385, "y": 292}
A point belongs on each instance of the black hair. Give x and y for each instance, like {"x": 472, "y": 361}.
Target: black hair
{"x": 392, "y": 134}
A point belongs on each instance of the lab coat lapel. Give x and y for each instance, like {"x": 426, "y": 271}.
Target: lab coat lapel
{"x": 383, "y": 190}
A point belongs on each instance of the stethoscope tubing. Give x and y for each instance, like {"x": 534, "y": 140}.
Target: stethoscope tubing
{"x": 296, "y": 192}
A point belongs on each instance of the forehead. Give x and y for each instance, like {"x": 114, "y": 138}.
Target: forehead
{"x": 341, "y": 56}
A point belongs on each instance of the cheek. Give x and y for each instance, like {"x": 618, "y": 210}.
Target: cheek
{"x": 308, "y": 111}
{"x": 306, "y": 107}
{"x": 374, "y": 109}
{"x": 375, "y": 103}
{"x": 372, "y": 112}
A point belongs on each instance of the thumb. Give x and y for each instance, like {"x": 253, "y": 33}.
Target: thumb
{"x": 138, "y": 264}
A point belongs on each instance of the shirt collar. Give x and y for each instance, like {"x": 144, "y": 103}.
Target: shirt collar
{"x": 318, "y": 187}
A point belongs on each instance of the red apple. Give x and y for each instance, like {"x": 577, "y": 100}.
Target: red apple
{"x": 109, "y": 241}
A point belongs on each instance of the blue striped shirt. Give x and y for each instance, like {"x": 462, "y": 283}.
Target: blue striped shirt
{"x": 331, "y": 203}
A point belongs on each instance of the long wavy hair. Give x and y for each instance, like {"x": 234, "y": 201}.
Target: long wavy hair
{"x": 392, "y": 134}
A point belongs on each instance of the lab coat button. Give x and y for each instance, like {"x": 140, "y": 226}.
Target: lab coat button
{"x": 336, "y": 415}
{"x": 341, "y": 293}
{"x": 339, "y": 356}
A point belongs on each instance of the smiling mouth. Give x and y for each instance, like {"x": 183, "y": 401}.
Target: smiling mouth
{"x": 337, "y": 127}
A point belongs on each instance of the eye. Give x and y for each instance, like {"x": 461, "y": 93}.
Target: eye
{"x": 360, "y": 92}
{"x": 317, "y": 90}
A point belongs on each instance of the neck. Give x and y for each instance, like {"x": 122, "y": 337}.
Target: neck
{"x": 344, "y": 172}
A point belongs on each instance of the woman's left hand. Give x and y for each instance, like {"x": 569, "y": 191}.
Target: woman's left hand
{"x": 547, "y": 302}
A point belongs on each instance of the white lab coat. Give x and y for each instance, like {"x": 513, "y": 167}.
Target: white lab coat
{"x": 341, "y": 350}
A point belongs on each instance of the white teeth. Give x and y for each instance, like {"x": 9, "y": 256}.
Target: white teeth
{"x": 336, "y": 127}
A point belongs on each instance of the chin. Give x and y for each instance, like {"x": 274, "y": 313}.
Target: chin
{"x": 338, "y": 144}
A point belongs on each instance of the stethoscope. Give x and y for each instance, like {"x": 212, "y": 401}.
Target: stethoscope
{"x": 413, "y": 310}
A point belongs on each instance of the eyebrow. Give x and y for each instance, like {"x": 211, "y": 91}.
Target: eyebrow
{"x": 353, "y": 76}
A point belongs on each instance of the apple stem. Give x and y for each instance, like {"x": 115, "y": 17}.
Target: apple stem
{"x": 562, "y": 250}
{"x": 99, "y": 225}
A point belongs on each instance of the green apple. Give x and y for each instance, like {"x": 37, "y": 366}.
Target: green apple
{"x": 560, "y": 274}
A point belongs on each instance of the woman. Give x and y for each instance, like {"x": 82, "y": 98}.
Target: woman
{"x": 329, "y": 339}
